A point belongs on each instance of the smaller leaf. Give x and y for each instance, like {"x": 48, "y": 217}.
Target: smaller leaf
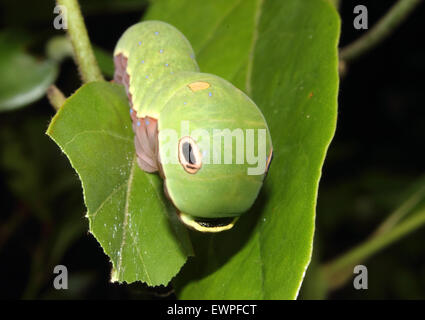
{"x": 59, "y": 48}
{"x": 128, "y": 214}
{"x": 23, "y": 79}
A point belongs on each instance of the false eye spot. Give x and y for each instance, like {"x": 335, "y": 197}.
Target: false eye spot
{"x": 189, "y": 155}
{"x": 198, "y": 85}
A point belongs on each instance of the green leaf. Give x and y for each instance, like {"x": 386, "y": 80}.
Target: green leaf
{"x": 220, "y": 32}
{"x": 284, "y": 55}
{"x": 23, "y": 79}
{"x": 127, "y": 211}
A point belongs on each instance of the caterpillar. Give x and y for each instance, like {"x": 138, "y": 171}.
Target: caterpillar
{"x": 186, "y": 122}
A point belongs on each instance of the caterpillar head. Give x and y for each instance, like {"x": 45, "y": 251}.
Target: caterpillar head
{"x": 214, "y": 150}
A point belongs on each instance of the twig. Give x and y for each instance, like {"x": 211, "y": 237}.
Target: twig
{"x": 56, "y": 97}
{"x": 394, "y": 17}
{"x": 83, "y": 51}
{"x": 401, "y": 212}
{"x": 338, "y": 271}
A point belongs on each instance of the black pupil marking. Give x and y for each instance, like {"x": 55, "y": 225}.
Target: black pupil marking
{"x": 188, "y": 153}
{"x": 214, "y": 222}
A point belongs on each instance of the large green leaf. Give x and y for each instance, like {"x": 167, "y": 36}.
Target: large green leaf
{"x": 284, "y": 55}
{"x": 23, "y": 79}
{"x": 220, "y": 31}
{"x": 127, "y": 211}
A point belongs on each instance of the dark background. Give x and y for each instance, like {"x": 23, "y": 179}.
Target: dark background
{"x": 376, "y": 155}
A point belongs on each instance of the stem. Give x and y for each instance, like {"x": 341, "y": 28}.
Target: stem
{"x": 394, "y": 17}
{"x": 56, "y": 97}
{"x": 400, "y": 212}
{"x": 338, "y": 271}
{"x": 83, "y": 52}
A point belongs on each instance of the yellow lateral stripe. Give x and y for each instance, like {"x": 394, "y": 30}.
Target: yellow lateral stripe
{"x": 190, "y": 222}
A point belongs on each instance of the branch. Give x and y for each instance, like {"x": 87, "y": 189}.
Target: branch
{"x": 83, "y": 52}
{"x": 394, "y": 17}
{"x": 401, "y": 212}
{"x": 56, "y": 97}
{"x": 338, "y": 271}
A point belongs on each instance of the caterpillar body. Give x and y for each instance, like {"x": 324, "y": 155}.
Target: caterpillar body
{"x": 166, "y": 91}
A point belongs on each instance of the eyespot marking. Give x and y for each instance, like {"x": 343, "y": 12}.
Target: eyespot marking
{"x": 189, "y": 155}
{"x": 198, "y": 85}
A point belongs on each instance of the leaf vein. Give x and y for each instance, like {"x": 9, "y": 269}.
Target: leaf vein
{"x": 125, "y": 222}
{"x": 96, "y": 131}
{"x": 253, "y": 44}
{"x": 113, "y": 192}
{"x": 140, "y": 256}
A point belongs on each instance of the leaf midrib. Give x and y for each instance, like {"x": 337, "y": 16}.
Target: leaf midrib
{"x": 125, "y": 223}
{"x": 257, "y": 18}
{"x": 248, "y": 88}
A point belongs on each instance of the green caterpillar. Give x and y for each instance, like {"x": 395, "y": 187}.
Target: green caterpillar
{"x": 182, "y": 119}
